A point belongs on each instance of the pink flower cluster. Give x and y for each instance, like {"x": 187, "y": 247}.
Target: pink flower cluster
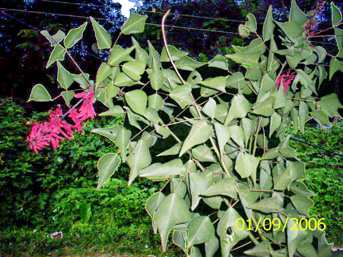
{"x": 56, "y": 129}
{"x": 285, "y": 79}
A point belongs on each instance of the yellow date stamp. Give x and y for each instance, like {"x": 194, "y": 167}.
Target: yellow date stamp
{"x": 277, "y": 224}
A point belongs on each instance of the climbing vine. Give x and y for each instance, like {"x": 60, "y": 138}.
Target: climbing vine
{"x": 225, "y": 159}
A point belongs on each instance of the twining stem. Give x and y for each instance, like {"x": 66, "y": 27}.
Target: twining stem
{"x": 164, "y": 35}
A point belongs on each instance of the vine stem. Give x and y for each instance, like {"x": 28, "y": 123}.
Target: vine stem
{"x": 164, "y": 35}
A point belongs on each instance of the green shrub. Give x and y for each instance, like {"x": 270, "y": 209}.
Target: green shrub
{"x": 106, "y": 220}
{"x": 38, "y": 176}
{"x": 324, "y": 175}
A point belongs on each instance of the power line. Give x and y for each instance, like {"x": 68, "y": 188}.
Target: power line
{"x": 38, "y": 31}
{"x": 156, "y": 12}
{"x": 103, "y": 19}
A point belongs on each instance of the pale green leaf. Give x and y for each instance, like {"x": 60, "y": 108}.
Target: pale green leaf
{"x": 135, "y": 24}
{"x": 134, "y": 69}
{"x": 217, "y": 83}
{"x": 268, "y": 25}
{"x": 64, "y": 77}
{"x": 336, "y": 15}
{"x": 200, "y": 230}
{"x": 74, "y": 35}
{"x": 138, "y": 159}
{"x": 275, "y": 122}
{"x": 210, "y": 108}
{"x": 238, "y": 109}
{"x": 119, "y": 55}
{"x": 201, "y": 131}
{"x": 159, "y": 171}
{"x": 103, "y": 38}
{"x": 166, "y": 217}
{"x": 246, "y": 165}
{"x": 57, "y": 54}
{"x": 39, "y": 94}
{"x": 107, "y": 165}
{"x": 137, "y": 101}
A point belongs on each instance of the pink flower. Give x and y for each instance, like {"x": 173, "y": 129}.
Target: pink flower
{"x": 50, "y": 132}
{"x": 86, "y": 110}
{"x": 285, "y": 79}
{"x": 56, "y": 129}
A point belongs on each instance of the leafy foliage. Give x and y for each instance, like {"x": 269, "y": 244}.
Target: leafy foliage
{"x": 324, "y": 175}
{"x": 251, "y": 175}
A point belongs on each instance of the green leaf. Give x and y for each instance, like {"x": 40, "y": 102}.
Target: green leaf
{"x": 166, "y": 217}
{"x": 152, "y": 204}
{"x": 103, "y": 73}
{"x": 225, "y": 187}
{"x": 57, "y": 54}
{"x": 119, "y": 55}
{"x": 223, "y": 135}
{"x": 103, "y": 38}
{"x": 292, "y": 30}
{"x": 140, "y": 53}
{"x": 134, "y": 69}
{"x": 182, "y": 95}
{"x": 175, "y": 53}
{"x": 217, "y": 83}
{"x": 135, "y": 24}
{"x": 203, "y": 153}
{"x": 275, "y": 122}
{"x": 82, "y": 79}
{"x": 267, "y": 205}
{"x": 138, "y": 159}
{"x": 155, "y": 101}
{"x": 268, "y": 25}
{"x": 210, "y": 108}
{"x": 200, "y": 230}
{"x": 335, "y": 65}
{"x": 107, "y": 165}
{"x": 39, "y": 94}
{"x": 296, "y": 14}
{"x": 336, "y": 15}
{"x": 302, "y": 203}
{"x": 64, "y": 77}
{"x": 237, "y": 134}
{"x": 188, "y": 63}
{"x": 109, "y": 133}
{"x": 54, "y": 39}
{"x": 74, "y": 35}
{"x": 251, "y": 23}
{"x": 159, "y": 171}
{"x": 201, "y": 131}
{"x": 211, "y": 246}
{"x": 67, "y": 97}
{"x": 228, "y": 223}
{"x": 198, "y": 183}
{"x": 174, "y": 150}
{"x": 137, "y": 101}
{"x": 246, "y": 165}
{"x": 261, "y": 250}
{"x": 238, "y": 109}
{"x": 265, "y": 107}
{"x": 122, "y": 141}
{"x": 219, "y": 62}
{"x": 330, "y": 104}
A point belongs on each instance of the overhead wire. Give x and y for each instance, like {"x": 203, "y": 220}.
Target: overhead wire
{"x": 152, "y": 24}
{"x": 103, "y": 19}
{"x": 154, "y": 11}
{"x": 38, "y": 30}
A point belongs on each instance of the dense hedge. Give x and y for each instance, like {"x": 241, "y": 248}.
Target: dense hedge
{"x": 323, "y": 154}
{"x": 38, "y": 197}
